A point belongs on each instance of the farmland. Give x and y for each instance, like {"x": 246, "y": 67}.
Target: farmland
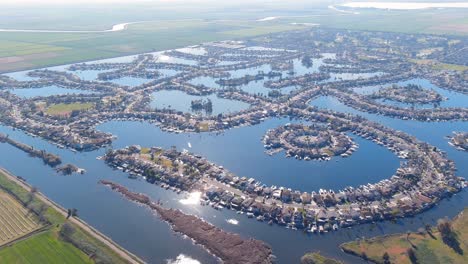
{"x": 164, "y": 28}
{"x": 32, "y": 50}
{"x": 50, "y": 244}
{"x": 15, "y": 220}
{"x": 43, "y": 248}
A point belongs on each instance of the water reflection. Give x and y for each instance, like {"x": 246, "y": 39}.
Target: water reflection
{"x": 233, "y": 221}
{"x": 182, "y": 259}
{"x": 191, "y": 199}
{"x": 181, "y": 101}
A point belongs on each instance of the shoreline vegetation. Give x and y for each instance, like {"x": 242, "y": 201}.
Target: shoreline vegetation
{"x": 317, "y": 258}
{"x": 48, "y": 158}
{"x": 444, "y": 243}
{"x": 66, "y": 238}
{"x": 231, "y": 248}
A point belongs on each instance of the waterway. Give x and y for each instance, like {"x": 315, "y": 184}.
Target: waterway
{"x": 46, "y": 91}
{"x": 181, "y": 101}
{"x": 241, "y": 151}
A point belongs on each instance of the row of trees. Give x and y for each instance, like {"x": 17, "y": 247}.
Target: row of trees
{"x": 69, "y": 234}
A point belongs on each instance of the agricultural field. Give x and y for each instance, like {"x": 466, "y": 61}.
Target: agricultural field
{"x": 428, "y": 247}
{"x": 448, "y": 21}
{"x": 66, "y": 109}
{"x": 16, "y": 221}
{"x": 29, "y": 50}
{"x": 161, "y": 29}
{"x": 49, "y": 245}
{"x": 43, "y": 248}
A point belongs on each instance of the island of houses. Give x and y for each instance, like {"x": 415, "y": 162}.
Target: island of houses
{"x": 293, "y": 68}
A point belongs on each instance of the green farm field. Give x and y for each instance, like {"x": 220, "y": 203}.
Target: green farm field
{"x": 15, "y": 220}
{"x": 18, "y": 228}
{"x": 47, "y": 245}
{"x": 20, "y": 51}
{"x": 162, "y": 28}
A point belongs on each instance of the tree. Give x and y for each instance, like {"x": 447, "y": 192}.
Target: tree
{"x": 364, "y": 256}
{"x": 428, "y": 228}
{"x": 66, "y": 231}
{"x": 29, "y": 198}
{"x": 41, "y": 211}
{"x": 412, "y": 256}
{"x": 449, "y": 236}
{"x": 386, "y": 258}
{"x": 421, "y": 231}
{"x": 72, "y": 212}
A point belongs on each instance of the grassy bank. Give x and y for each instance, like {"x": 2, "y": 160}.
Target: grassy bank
{"x": 316, "y": 258}
{"x": 427, "y": 244}
{"x": 50, "y": 246}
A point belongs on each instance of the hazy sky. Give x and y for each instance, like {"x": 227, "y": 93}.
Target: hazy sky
{"x": 142, "y": 1}
{"x": 218, "y": 2}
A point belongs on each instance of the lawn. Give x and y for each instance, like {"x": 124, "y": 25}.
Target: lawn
{"x": 65, "y": 109}
{"x": 427, "y": 249}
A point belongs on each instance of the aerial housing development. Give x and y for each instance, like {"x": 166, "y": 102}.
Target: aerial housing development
{"x": 216, "y": 89}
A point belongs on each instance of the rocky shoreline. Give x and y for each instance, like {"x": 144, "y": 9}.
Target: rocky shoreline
{"x": 231, "y": 248}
